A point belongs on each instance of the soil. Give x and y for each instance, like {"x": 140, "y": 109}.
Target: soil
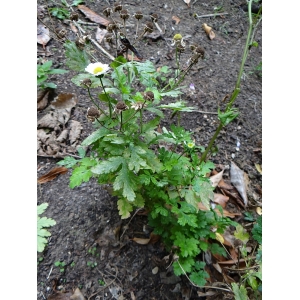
{"x": 87, "y": 219}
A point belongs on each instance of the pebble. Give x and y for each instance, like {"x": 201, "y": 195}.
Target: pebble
{"x": 232, "y": 155}
{"x": 155, "y": 270}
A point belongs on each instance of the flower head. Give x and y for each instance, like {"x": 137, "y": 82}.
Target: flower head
{"x": 121, "y": 106}
{"x": 92, "y": 114}
{"x": 191, "y": 145}
{"x": 138, "y": 105}
{"x": 97, "y": 68}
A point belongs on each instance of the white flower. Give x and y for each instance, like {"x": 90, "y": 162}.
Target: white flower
{"x": 97, "y": 68}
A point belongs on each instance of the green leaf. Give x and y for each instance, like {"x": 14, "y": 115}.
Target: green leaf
{"x": 186, "y": 265}
{"x": 227, "y": 117}
{"x": 203, "y": 245}
{"x": 120, "y": 60}
{"x": 124, "y": 208}
{"x": 257, "y": 230}
{"x": 252, "y": 282}
{"x": 190, "y": 197}
{"x": 189, "y": 219}
{"x": 46, "y": 66}
{"x": 77, "y": 2}
{"x": 41, "y": 243}
{"x": 108, "y": 166}
{"x": 240, "y": 293}
{"x": 204, "y": 190}
{"x": 45, "y": 222}
{"x": 79, "y": 175}
{"x": 178, "y": 106}
{"x": 57, "y": 71}
{"x": 77, "y": 60}
{"x": 217, "y": 249}
{"x": 95, "y": 136}
{"x": 50, "y": 85}
{"x": 80, "y": 77}
{"x": 68, "y": 162}
{"x": 241, "y": 234}
{"x": 41, "y": 208}
{"x": 199, "y": 278}
{"x": 125, "y": 181}
{"x": 155, "y": 111}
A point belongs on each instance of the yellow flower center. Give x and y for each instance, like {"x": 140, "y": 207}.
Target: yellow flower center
{"x": 98, "y": 69}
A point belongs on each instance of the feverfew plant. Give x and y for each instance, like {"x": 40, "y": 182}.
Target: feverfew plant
{"x": 149, "y": 166}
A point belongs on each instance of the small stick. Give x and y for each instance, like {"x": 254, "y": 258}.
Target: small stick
{"x": 130, "y": 220}
{"x": 94, "y": 42}
{"x": 50, "y": 272}
{"x": 87, "y": 23}
{"x": 157, "y": 26}
{"x": 210, "y": 15}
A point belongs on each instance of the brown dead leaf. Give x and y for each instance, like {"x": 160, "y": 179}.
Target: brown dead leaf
{"x": 226, "y": 213}
{"x": 54, "y": 118}
{"x": 215, "y": 179}
{"x": 77, "y": 295}
{"x": 220, "y": 199}
{"x": 43, "y": 35}
{"x": 90, "y": 14}
{"x": 75, "y": 131}
{"x": 258, "y": 168}
{"x": 238, "y": 179}
{"x": 176, "y": 19}
{"x": 129, "y": 57}
{"x": 73, "y": 28}
{"x": 208, "y": 30}
{"x": 52, "y": 174}
{"x": 227, "y": 278}
{"x": 218, "y": 268}
{"x": 64, "y": 100}
{"x": 187, "y": 2}
{"x": 152, "y": 240}
{"x": 100, "y": 34}
{"x": 60, "y": 296}
{"x": 42, "y": 99}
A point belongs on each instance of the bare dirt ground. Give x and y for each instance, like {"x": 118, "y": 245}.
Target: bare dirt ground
{"x": 87, "y": 216}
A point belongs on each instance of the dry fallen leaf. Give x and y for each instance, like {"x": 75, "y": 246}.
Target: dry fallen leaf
{"x": 54, "y": 118}
{"x": 77, "y": 295}
{"x": 208, "y": 30}
{"x": 90, "y": 14}
{"x": 219, "y": 238}
{"x": 75, "y": 131}
{"x": 259, "y": 210}
{"x": 42, "y": 99}
{"x": 43, "y": 35}
{"x": 64, "y": 100}
{"x": 152, "y": 240}
{"x": 215, "y": 179}
{"x": 258, "y": 168}
{"x": 52, "y": 174}
{"x": 100, "y": 34}
{"x": 187, "y": 2}
{"x": 218, "y": 268}
{"x": 60, "y": 296}
{"x": 226, "y": 213}
{"x": 238, "y": 179}
{"x": 176, "y": 19}
{"x": 220, "y": 199}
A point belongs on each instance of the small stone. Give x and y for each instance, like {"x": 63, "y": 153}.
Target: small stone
{"x": 232, "y": 155}
{"x": 155, "y": 270}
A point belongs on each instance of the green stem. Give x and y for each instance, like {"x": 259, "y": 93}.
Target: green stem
{"x": 121, "y": 121}
{"x": 109, "y": 103}
{"x": 141, "y": 121}
{"x": 95, "y": 102}
{"x": 237, "y": 85}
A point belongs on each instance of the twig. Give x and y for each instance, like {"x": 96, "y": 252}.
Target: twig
{"x": 205, "y": 112}
{"x": 87, "y": 23}
{"x": 107, "y": 284}
{"x": 94, "y": 42}
{"x": 157, "y": 26}
{"x": 245, "y": 269}
{"x": 50, "y": 272}
{"x": 203, "y": 287}
{"x": 60, "y": 155}
{"x": 130, "y": 221}
{"x": 210, "y": 15}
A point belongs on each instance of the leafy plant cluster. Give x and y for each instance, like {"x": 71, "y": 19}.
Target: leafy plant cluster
{"x": 62, "y": 12}
{"x": 43, "y": 71}
{"x": 148, "y": 167}
{"x": 42, "y": 224}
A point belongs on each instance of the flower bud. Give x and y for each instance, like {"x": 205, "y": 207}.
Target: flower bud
{"x": 121, "y": 106}
{"x": 109, "y": 37}
{"x": 92, "y": 114}
{"x": 124, "y": 14}
{"x": 138, "y": 15}
{"x": 107, "y": 11}
{"x": 149, "y": 96}
{"x": 148, "y": 27}
{"x": 154, "y": 17}
{"x": 86, "y": 82}
{"x": 118, "y": 7}
{"x": 74, "y": 16}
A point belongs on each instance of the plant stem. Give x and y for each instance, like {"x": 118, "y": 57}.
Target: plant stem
{"x": 141, "y": 121}
{"x": 109, "y": 103}
{"x": 95, "y": 102}
{"x": 121, "y": 121}
{"x": 237, "y": 85}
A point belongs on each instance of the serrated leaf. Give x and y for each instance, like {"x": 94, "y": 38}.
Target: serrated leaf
{"x": 125, "y": 182}
{"x": 203, "y": 245}
{"x": 41, "y": 208}
{"x": 45, "y": 222}
{"x": 41, "y": 243}
{"x": 205, "y": 191}
{"x": 77, "y": 60}
{"x": 108, "y": 166}
{"x": 156, "y": 111}
{"x": 199, "y": 277}
{"x": 43, "y": 232}
{"x": 95, "y": 82}
{"x": 95, "y": 136}
{"x": 68, "y": 162}
{"x": 240, "y": 293}
{"x": 252, "y": 282}
{"x": 124, "y": 208}
{"x": 241, "y": 234}
{"x": 189, "y": 219}
{"x": 186, "y": 265}
{"x": 79, "y": 175}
